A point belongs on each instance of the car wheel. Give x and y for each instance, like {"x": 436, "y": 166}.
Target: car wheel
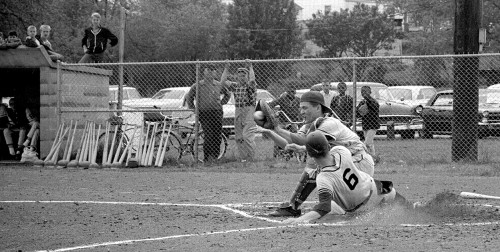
{"x": 409, "y": 134}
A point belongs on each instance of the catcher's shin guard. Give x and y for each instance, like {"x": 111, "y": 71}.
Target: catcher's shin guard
{"x": 305, "y": 186}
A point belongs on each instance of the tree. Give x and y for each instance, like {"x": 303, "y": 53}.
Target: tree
{"x": 330, "y": 31}
{"x": 264, "y": 29}
{"x": 361, "y": 31}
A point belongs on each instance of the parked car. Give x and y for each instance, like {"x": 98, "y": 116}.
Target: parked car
{"x": 129, "y": 93}
{"x": 413, "y": 95}
{"x": 174, "y": 99}
{"x": 494, "y": 86}
{"x": 405, "y": 118}
{"x": 438, "y": 114}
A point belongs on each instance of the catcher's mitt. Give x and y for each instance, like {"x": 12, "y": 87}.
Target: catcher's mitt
{"x": 269, "y": 121}
{"x": 363, "y": 110}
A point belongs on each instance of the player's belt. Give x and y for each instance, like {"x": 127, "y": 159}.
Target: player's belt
{"x": 361, "y": 204}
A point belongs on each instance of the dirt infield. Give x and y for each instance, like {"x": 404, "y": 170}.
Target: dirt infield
{"x": 225, "y": 209}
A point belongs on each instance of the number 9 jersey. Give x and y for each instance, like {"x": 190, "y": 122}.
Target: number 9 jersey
{"x": 342, "y": 183}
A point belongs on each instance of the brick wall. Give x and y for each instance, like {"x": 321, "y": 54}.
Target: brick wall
{"x": 82, "y": 88}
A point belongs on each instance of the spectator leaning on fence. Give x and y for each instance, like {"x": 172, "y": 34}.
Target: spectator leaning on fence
{"x": 210, "y": 109}
{"x": 44, "y": 40}
{"x": 245, "y": 94}
{"x": 95, "y": 41}
{"x": 342, "y": 104}
{"x": 289, "y": 104}
{"x": 31, "y": 40}
{"x": 326, "y": 92}
{"x": 368, "y": 109}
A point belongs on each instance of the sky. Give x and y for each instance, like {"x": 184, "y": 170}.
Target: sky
{"x": 312, "y": 6}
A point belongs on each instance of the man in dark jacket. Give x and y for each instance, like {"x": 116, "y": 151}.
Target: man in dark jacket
{"x": 368, "y": 109}
{"x": 95, "y": 41}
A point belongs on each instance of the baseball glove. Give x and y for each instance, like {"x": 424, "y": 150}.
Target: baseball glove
{"x": 363, "y": 110}
{"x": 269, "y": 121}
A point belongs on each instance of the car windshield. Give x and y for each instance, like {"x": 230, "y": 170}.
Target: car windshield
{"x": 261, "y": 95}
{"x": 169, "y": 94}
{"x": 380, "y": 93}
{"x": 491, "y": 96}
{"x": 134, "y": 94}
{"x": 401, "y": 93}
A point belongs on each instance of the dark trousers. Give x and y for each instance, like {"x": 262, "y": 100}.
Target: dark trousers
{"x": 211, "y": 122}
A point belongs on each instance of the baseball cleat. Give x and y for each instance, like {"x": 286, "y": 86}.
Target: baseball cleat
{"x": 286, "y": 212}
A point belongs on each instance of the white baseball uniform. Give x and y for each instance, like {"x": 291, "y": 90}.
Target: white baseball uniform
{"x": 342, "y": 187}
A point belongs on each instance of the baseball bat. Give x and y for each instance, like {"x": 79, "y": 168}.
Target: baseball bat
{"x": 159, "y": 150}
{"x": 88, "y": 145}
{"x": 138, "y": 150}
{"x": 56, "y": 138}
{"x": 93, "y": 163}
{"x": 471, "y": 195}
{"x": 143, "y": 155}
{"x": 55, "y": 155}
{"x": 152, "y": 145}
{"x": 67, "y": 156}
{"x": 162, "y": 157}
{"x": 74, "y": 162}
{"x": 111, "y": 150}
{"x": 131, "y": 143}
{"x": 105, "y": 150}
{"x": 84, "y": 143}
{"x": 115, "y": 163}
{"x": 66, "y": 146}
{"x": 128, "y": 149}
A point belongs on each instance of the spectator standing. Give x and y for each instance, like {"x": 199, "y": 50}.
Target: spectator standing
{"x": 31, "y": 40}
{"x": 326, "y": 92}
{"x": 245, "y": 94}
{"x": 342, "y": 104}
{"x": 368, "y": 109}
{"x": 95, "y": 41}
{"x": 210, "y": 109}
{"x": 44, "y": 41}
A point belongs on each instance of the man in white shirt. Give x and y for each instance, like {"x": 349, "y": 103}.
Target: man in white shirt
{"x": 326, "y": 92}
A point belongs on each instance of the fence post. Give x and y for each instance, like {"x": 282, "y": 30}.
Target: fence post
{"x": 196, "y": 114}
{"x": 121, "y": 42}
{"x": 59, "y": 93}
{"x": 354, "y": 96}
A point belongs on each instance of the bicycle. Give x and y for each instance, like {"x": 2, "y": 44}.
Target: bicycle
{"x": 181, "y": 139}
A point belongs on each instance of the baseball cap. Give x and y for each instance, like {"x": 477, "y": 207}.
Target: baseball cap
{"x": 316, "y": 144}
{"x": 317, "y": 97}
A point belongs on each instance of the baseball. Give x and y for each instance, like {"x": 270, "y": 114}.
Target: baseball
{"x": 258, "y": 115}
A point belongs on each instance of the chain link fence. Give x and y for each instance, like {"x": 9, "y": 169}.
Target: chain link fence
{"x": 416, "y": 96}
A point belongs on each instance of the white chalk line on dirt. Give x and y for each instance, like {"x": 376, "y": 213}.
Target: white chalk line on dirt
{"x": 242, "y": 213}
{"x": 225, "y": 207}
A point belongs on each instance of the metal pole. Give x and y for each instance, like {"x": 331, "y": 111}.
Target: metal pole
{"x": 196, "y": 113}
{"x": 59, "y": 92}
{"x": 354, "y": 96}
{"x": 121, "y": 47}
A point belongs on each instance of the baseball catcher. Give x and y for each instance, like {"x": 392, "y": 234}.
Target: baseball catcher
{"x": 314, "y": 112}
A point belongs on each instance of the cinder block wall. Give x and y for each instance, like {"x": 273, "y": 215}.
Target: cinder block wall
{"x": 82, "y": 88}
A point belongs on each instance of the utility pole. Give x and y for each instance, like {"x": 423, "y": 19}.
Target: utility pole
{"x": 466, "y": 88}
